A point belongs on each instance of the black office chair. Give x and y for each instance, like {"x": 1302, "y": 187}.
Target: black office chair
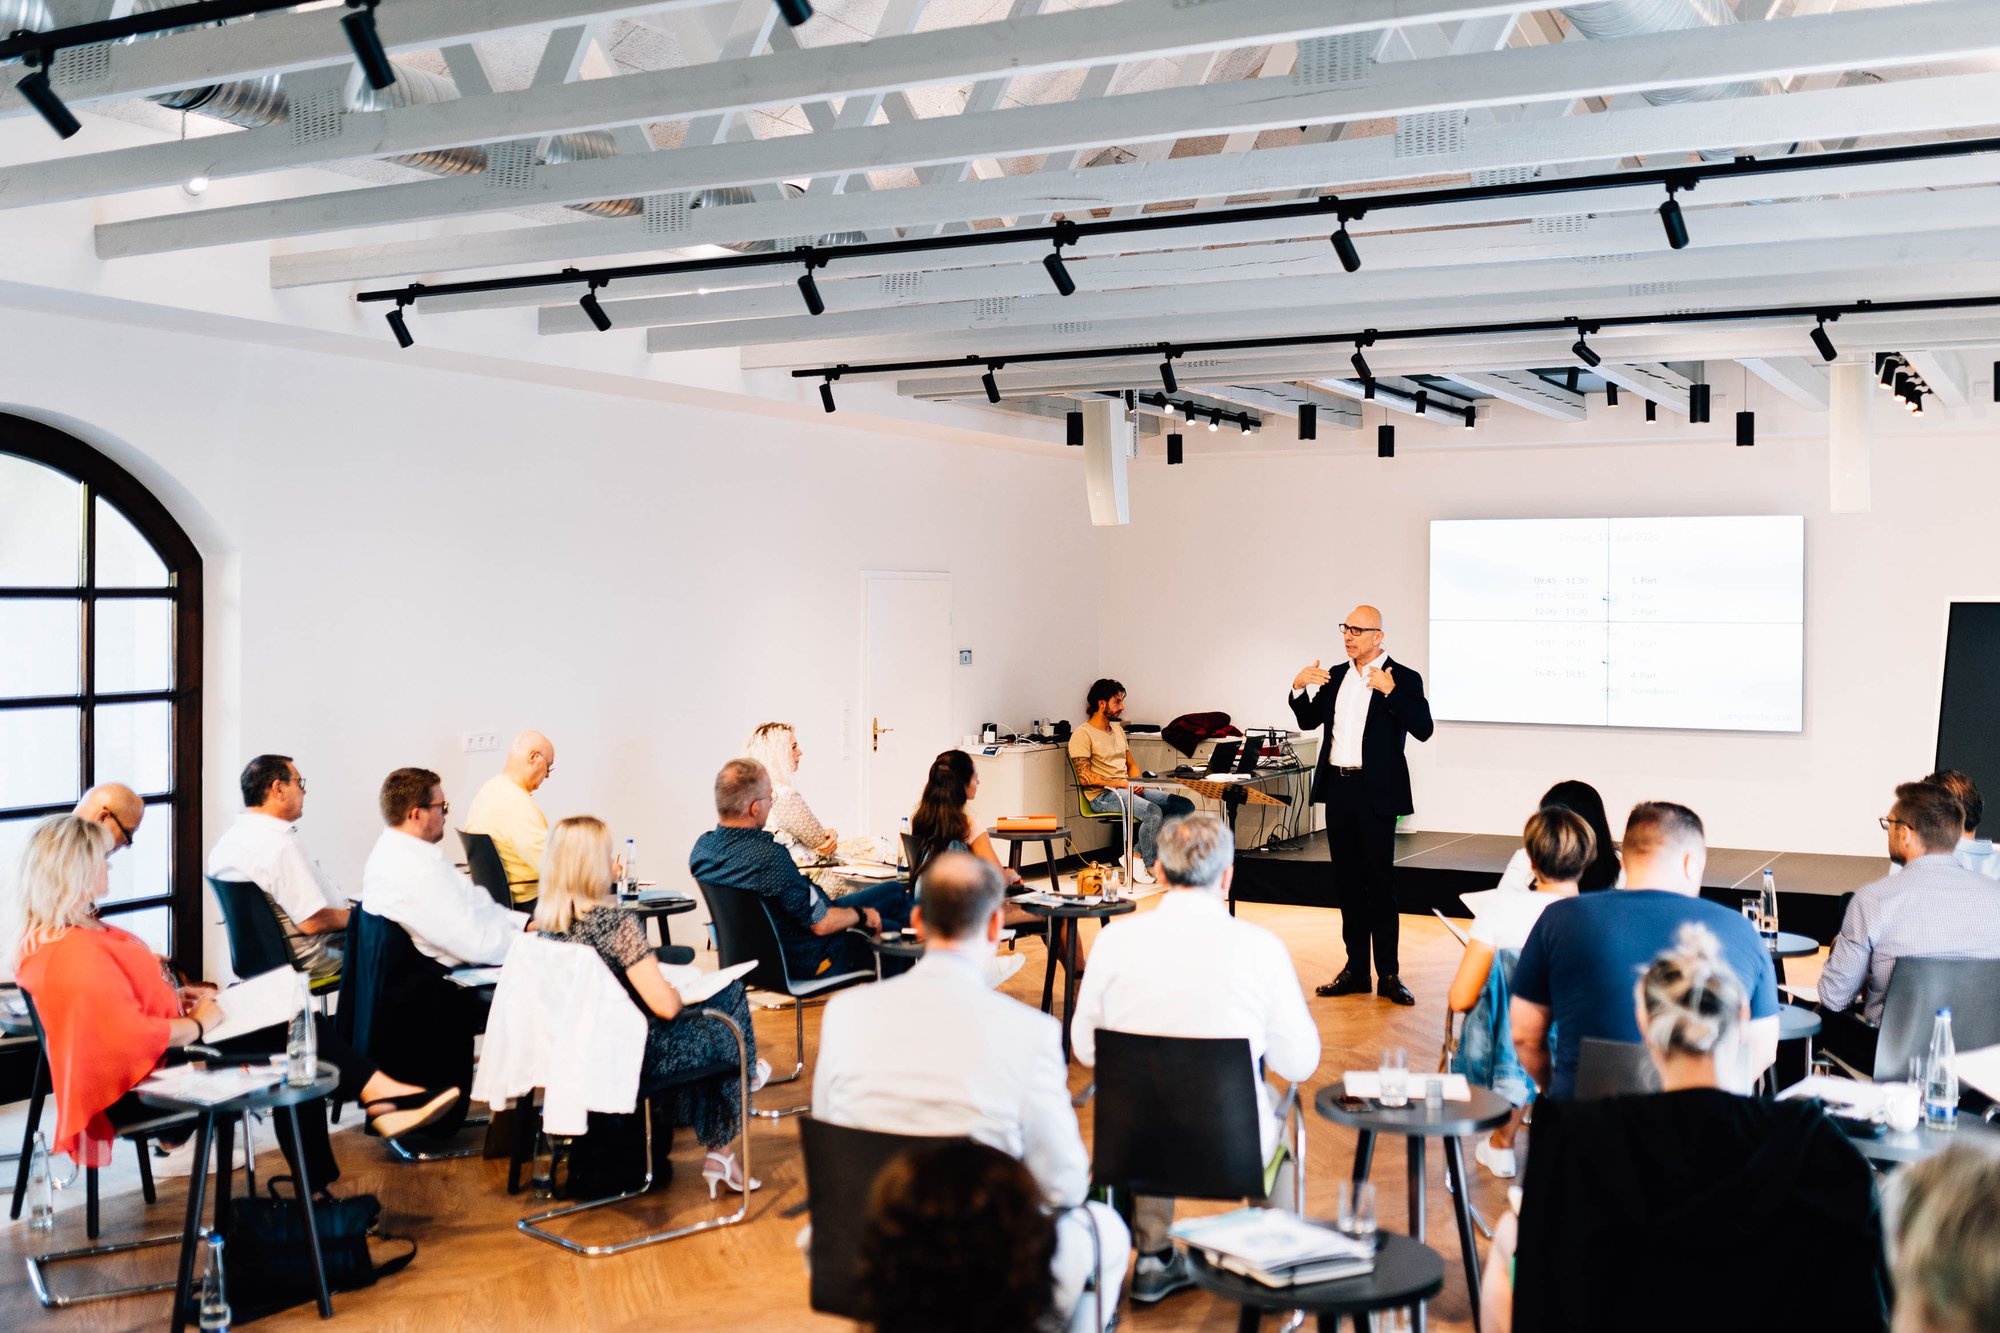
{"x": 745, "y": 932}
{"x": 488, "y": 871}
{"x": 1918, "y": 988}
{"x": 257, "y": 942}
{"x": 399, "y": 1009}
{"x": 841, "y": 1166}
{"x": 1613, "y": 1069}
{"x": 1178, "y": 1117}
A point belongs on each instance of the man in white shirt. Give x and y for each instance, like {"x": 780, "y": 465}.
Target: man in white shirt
{"x": 262, "y": 848}
{"x": 938, "y": 1052}
{"x": 408, "y": 880}
{"x": 1189, "y": 969}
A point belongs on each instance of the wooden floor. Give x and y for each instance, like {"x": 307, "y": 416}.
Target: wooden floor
{"x": 474, "y": 1271}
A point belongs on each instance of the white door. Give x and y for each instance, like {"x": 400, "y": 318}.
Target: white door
{"x": 906, "y": 680}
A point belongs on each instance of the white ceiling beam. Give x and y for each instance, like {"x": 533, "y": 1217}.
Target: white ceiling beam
{"x": 284, "y": 43}
{"x": 985, "y": 95}
{"x": 1944, "y": 375}
{"x": 1804, "y": 382}
{"x": 1135, "y": 28}
{"x": 1901, "y": 107}
{"x": 1867, "y": 38}
{"x": 1334, "y": 411}
{"x": 1526, "y": 389}
{"x": 1650, "y": 380}
{"x": 1193, "y": 73}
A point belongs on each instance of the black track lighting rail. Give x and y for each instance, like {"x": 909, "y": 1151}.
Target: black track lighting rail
{"x": 20, "y": 45}
{"x": 1333, "y": 208}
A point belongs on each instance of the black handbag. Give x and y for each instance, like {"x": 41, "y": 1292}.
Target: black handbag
{"x": 269, "y": 1262}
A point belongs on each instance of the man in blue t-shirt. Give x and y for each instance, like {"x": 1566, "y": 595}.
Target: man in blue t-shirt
{"x": 1585, "y": 955}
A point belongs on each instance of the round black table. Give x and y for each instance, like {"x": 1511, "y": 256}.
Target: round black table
{"x": 895, "y": 944}
{"x": 1486, "y": 1111}
{"x": 1902, "y": 1147}
{"x": 1788, "y": 945}
{"x": 1407, "y": 1272}
{"x": 660, "y": 908}
{"x": 1065, "y": 946}
{"x": 217, "y": 1127}
{"x": 1049, "y": 838}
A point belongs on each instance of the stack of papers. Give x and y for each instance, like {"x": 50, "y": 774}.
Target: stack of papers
{"x": 208, "y": 1087}
{"x": 1368, "y": 1083}
{"x": 1275, "y": 1248}
{"x": 696, "y": 985}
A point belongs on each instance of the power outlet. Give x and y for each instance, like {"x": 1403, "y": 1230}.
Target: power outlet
{"x": 965, "y": 657}
{"x": 477, "y": 742}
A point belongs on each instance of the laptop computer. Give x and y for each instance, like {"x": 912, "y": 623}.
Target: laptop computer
{"x": 1222, "y": 759}
{"x": 1246, "y": 761}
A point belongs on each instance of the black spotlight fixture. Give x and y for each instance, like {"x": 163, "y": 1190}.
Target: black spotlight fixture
{"x": 1582, "y": 350}
{"x": 367, "y": 44}
{"x": 1652, "y": 412}
{"x": 1746, "y": 429}
{"x": 1053, "y": 261}
{"x": 1360, "y": 363}
{"x": 398, "y": 325}
{"x": 1308, "y": 421}
{"x": 1423, "y": 402}
{"x": 1886, "y": 366}
{"x": 1469, "y": 415}
{"x": 1822, "y": 343}
{"x": 1343, "y": 246}
{"x": 1385, "y": 441}
{"x": 1131, "y": 400}
{"x": 36, "y": 92}
{"x": 1073, "y": 429}
{"x": 1900, "y": 385}
{"x": 826, "y": 394}
{"x": 991, "y": 385}
{"x": 1243, "y": 424}
{"x": 1174, "y": 449}
{"x": 810, "y": 291}
{"x": 1167, "y": 380}
{"x": 1673, "y": 222}
{"x": 1916, "y": 402}
{"x": 1698, "y": 402}
{"x": 1610, "y": 394}
{"x": 1215, "y": 420}
{"x": 795, "y": 11}
{"x": 1996, "y": 381}
{"x": 594, "y": 308}
{"x": 1368, "y": 389}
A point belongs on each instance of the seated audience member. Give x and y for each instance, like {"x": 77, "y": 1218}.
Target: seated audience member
{"x": 1576, "y": 968}
{"x": 1629, "y": 1199}
{"x": 577, "y": 907}
{"x": 896, "y": 1058}
{"x": 408, "y": 880}
{"x": 504, "y": 809}
{"x": 1973, "y": 852}
{"x": 1105, "y": 770}
{"x": 1190, "y": 969}
{"x": 1946, "y": 1248}
{"x": 112, "y": 1012}
{"x": 957, "y": 1239}
{"x": 739, "y": 853}
{"x": 117, "y": 808}
{"x": 1604, "y": 870}
{"x": 775, "y": 745}
{"x": 1560, "y": 847}
{"x": 1934, "y": 908}
{"x": 262, "y": 847}
{"x": 943, "y": 824}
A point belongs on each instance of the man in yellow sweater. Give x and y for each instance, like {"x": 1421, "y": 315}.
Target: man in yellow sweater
{"x": 505, "y": 810}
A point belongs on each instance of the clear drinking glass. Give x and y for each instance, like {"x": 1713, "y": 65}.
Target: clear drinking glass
{"x": 1394, "y": 1072}
{"x": 1356, "y": 1213}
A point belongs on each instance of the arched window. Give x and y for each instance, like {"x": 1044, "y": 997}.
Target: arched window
{"x": 100, "y": 670}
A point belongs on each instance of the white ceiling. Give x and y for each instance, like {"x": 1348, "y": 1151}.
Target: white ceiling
{"x": 887, "y": 118}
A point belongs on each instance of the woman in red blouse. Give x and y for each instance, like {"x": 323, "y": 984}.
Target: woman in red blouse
{"x": 110, "y": 1011}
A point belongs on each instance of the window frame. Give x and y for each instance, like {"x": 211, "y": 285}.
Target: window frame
{"x": 102, "y": 478}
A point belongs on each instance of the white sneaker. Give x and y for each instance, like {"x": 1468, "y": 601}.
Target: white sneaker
{"x": 760, "y": 1074}
{"x": 168, "y": 1163}
{"x": 1140, "y": 874}
{"x": 999, "y": 971}
{"x": 1500, "y": 1161}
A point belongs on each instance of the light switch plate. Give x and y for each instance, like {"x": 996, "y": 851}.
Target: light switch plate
{"x": 965, "y": 657}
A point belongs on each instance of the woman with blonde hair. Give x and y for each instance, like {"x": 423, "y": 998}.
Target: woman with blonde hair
{"x": 775, "y": 745}
{"x": 577, "y": 907}
{"x": 112, "y": 1011}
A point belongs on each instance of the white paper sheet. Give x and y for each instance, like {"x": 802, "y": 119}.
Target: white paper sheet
{"x": 696, "y": 985}
{"x": 261, "y": 1002}
{"x": 206, "y": 1087}
{"x": 1368, "y": 1083}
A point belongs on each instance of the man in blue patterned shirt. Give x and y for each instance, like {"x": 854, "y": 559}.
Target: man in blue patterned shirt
{"x": 738, "y": 853}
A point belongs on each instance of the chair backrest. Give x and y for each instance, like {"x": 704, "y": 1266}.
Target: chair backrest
{"x": 1918, "y": 988}
{"x": 483, "y": 863}
{"x": 744, "y": 932}
{"x": 407, "y": 1016}
{"x": 841, "y": 1166}
{"x": 1613, "y": 1069}
{"x": 910, "y": 854}
{"x": 561, "y": 1022}
{"x": 257, "y": 943}
{"x": 1177, "y": 1116}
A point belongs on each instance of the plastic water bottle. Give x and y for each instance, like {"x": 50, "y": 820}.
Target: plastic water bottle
{"x": 1940, "y": 1078}
{"x": 214, "y": 1309}
{"x": 629, "y": 882}
{"x": 302, "y": 1044}
{"x": 41, "y": 1188}
{"x": 1767, "y": 910}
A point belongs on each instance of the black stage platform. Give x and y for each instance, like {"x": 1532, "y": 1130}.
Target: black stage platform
{"x": 1433, "y": 868}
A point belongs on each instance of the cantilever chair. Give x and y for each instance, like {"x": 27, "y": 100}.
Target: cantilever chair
{"x": 257, "y": 943}
{"x": 488, "y": 871}
{"x": 745, "y": 932}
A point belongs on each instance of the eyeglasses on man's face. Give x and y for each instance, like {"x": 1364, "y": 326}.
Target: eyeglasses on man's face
{"x": 442, "y": 807}
{"x": 124, "y": 833}
{"x": 1886, "y": 820}
{"x": 1356, "y": 630}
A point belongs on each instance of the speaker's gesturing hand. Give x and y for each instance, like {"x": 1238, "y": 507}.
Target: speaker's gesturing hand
{"x": 1380, "y": 679}
{"x": 1310, "y": 676}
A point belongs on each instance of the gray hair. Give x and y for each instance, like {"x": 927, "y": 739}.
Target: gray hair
{"x": 1195, "y": 849}
{"x": 1691, "y": 996}
{"x": 737, "y": 787}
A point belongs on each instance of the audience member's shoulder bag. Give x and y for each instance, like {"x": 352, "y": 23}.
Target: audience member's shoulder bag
{"x": 269, "y": 1264}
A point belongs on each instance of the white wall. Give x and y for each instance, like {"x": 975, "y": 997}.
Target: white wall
{"x": 398, "y": 555}
{"x": 1203, "y": 611}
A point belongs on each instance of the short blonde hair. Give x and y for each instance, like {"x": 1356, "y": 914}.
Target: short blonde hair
{"x": 1946, "y": 1243}
{"x": 771, "y": 745}
{"x": 576, "y": 872}
{"x": 56, "y": 883}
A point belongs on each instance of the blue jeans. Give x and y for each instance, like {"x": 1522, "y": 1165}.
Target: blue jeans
{"x": 1150, "y": 810}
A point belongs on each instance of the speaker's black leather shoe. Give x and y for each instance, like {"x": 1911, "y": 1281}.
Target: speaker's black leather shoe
{"x": 1349, "y": 982}
{"x": 1393, "y": 990}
